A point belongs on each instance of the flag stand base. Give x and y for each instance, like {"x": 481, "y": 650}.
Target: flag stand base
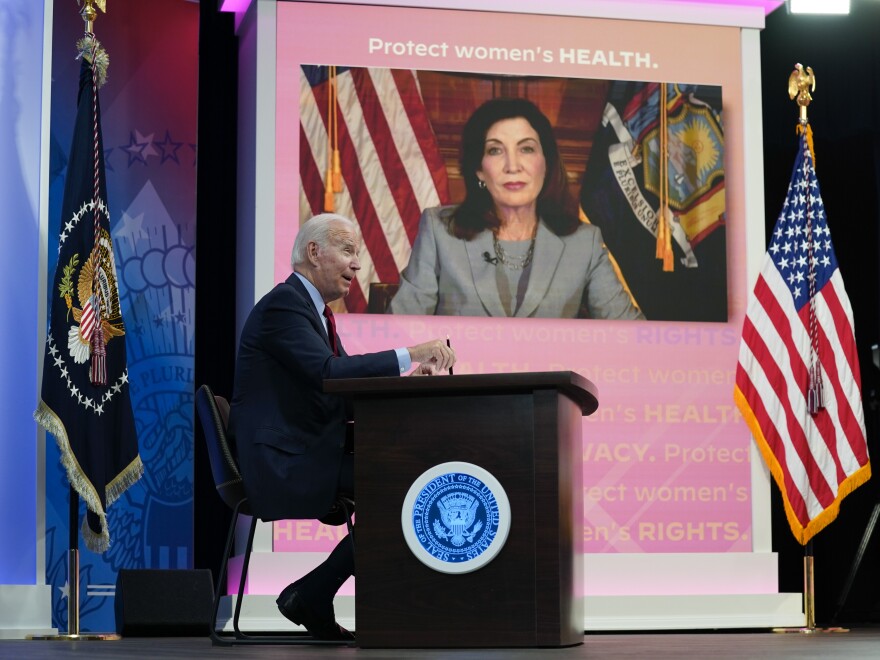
{"x": 87, "y": 637}
{"x": 810, "y": 601}
{"x": 810, "y": 631}
{"x": 73, "y": 633}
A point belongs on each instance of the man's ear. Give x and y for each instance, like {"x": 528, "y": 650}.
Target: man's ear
{"x": 312, "y": 250}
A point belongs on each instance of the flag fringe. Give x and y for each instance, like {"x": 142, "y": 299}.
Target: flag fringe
{"x": 96, "y": 542}
{"x": 124, "y": 480}
{"x": 820, "y": 522}
{"x": 46, "y": 417}
{"x": 853, "y": 481}
{"x": 99, "y": 543}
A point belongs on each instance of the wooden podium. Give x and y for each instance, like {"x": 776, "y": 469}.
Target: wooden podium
{"x": 524, "y": 429}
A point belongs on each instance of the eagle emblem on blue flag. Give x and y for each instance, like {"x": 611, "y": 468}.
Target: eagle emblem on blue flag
{"x": 97, "y": 294}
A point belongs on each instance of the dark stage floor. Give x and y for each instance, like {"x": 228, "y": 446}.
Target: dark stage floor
{"x": 856, "y": 644}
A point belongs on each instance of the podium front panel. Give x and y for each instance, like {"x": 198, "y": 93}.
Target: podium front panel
{"x": 525, "y": 596}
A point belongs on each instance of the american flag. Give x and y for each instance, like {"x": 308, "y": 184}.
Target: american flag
{"x": 391, "y": 164}
{"x": 797, "y": 382}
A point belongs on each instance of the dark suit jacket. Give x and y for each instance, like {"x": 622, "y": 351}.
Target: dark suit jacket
{"x": 289, "y": 434}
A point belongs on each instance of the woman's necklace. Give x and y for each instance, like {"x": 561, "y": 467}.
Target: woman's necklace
{"x": 519, "y": 263}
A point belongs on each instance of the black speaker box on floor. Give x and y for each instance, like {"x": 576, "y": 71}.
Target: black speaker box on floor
{"x": 163, "y": 603}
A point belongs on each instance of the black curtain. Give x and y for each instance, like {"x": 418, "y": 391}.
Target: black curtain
{"x": 215, "y": 257}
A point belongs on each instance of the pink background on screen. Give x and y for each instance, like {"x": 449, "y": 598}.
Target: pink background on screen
{"x": 665, "y": 389}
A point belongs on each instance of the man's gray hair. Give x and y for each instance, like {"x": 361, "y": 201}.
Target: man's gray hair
{"x": 317, "y": 229}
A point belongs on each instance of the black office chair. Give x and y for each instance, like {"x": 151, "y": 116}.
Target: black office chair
{"x": 213, "y": 412}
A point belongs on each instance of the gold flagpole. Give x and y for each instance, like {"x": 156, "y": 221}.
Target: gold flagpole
{"x": 89, "y": 14}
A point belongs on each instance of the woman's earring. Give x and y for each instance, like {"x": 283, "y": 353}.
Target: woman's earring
{"x": 481, "y": 184}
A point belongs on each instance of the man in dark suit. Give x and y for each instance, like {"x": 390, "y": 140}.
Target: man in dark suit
{"x": 289, "y": 434}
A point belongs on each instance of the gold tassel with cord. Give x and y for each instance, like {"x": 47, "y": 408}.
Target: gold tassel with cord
{"x": 661, "y": 218}
{"x": 668, "y": 264}
{"x": 661, "y": 233}
{"x": 337, "y": 166}
{"x": 661, "y": 189}
{"x": 668, "y": 260}
{"x": 329, "y": 203}
{"x": 337, "y": 172}
{"x": 805, "y": 128}
{"x": 664, "y": 231}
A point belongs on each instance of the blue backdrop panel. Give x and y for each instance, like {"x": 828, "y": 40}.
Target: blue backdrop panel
{"x": 149, "y": 129}
{"x": 21, "y": 79}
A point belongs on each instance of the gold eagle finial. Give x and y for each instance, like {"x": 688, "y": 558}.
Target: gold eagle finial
{"x": 800, "y": 84}
{"x": 89, "y": 13}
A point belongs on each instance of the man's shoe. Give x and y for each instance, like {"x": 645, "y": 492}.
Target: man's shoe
{"x": 294, "y": 607}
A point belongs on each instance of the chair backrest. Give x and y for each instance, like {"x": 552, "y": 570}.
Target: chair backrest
{"x": 213, "y": 412}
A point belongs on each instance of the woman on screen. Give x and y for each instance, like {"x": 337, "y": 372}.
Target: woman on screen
{"x": 515, "y": 245}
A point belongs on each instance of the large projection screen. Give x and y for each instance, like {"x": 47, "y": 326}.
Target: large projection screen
{"x": 666, "y": 455}
{"x": 669, "y": 469}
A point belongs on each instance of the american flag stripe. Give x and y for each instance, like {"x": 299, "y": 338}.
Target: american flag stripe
{"x": 839, "y": 350}
{"x": 368, "y": 184}
{"x": 839, "y": 308}
{"x": 310, "y": 175}
{"x": 816, "y": 458}
{"x": 312, "y": 202}
{"x": 385, "y": 152}
{"x": 415, "y": 141}
{"x": 355, "y": 199}
{"x": 313, "y": 161}
{"x": 409, "y": 142}
{"x": 785, "y": 406}
{"x": 88, "y": 320}
{"x": 774, "y": 446}
{"x": 391, "y": 165}
{"x": 820, "y": 428}
{"x": 790, "y": 369}
{"x": 805, "y": 430}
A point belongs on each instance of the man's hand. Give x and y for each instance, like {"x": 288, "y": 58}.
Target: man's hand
{"x": 424, "y": 369}
{"x": 435, "y": 353}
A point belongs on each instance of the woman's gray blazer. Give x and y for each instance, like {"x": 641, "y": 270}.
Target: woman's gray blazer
{"x": 571, "y": 276}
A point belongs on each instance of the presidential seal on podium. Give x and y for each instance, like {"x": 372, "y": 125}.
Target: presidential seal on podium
{"x": 455, "y": 517}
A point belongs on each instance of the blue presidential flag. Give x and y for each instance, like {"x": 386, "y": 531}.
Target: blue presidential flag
{"x": 84, "y": 401}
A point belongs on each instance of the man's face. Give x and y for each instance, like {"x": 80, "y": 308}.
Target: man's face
{"x": 335, "y": 265}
